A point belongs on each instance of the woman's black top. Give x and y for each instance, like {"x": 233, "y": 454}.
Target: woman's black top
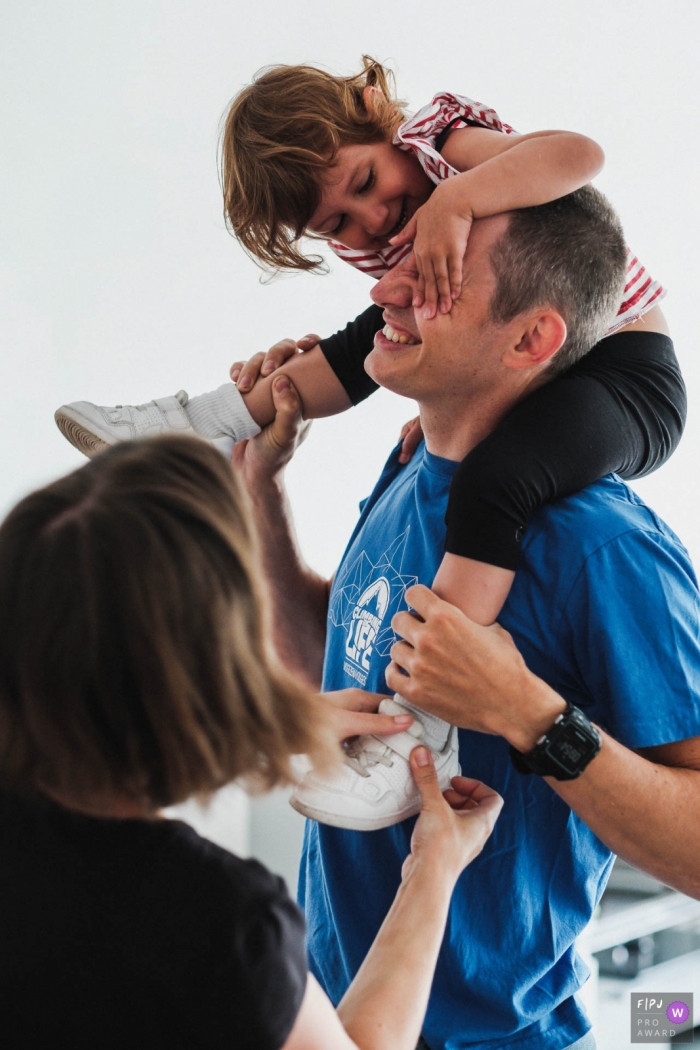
{"x": 621, "y": 408}
{"x": 139, "y": 933}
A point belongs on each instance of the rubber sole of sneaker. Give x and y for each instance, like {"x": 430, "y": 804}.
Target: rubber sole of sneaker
{"x": 86, "y": 441}
{"x": 352, "y": 823}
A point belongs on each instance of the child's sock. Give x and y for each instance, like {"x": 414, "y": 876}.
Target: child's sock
{"x": 220, "y": 413}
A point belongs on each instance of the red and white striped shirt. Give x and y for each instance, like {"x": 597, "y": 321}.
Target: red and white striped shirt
{"x": 418, "y": 136}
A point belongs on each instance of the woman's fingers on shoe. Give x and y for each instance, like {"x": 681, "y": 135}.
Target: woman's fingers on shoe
{"x": 474, "y": 789}
{"x": 363, "y": 723}
{"x": 425, "y": 775}
{"x": 472, "y": 795}
{"x": 353, "y": 712}
{"x": 355, "y": 699}
{"x": 457, "y": 801}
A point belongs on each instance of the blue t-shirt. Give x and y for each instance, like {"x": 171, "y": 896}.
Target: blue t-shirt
{"x": 605, "y": 608}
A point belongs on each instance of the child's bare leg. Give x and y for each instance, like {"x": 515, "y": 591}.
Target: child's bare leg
{"x": 321, "y": 392}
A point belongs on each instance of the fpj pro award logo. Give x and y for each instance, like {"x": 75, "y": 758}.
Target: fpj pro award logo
{"x": 661, "y": 1017}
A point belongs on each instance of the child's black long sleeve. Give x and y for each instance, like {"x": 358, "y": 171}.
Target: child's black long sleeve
{"x": 347, "y": 349}
{"x": 621, "y": 408}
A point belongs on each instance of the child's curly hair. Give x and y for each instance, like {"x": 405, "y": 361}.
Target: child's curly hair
{"x": 281, "y": 133}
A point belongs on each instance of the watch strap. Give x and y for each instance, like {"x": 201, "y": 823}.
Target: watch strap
{"x": 547, "y": 758}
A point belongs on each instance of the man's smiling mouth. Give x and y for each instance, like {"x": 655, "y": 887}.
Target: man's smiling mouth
{"x": 397, "y": 337}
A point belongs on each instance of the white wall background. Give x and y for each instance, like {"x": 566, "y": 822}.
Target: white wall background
{"x": 119, "y": 283}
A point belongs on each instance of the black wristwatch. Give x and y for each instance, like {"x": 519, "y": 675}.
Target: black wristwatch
{"x": 563, "y": 752}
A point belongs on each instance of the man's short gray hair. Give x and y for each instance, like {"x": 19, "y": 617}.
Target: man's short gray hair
{"x": 569, "y": 255}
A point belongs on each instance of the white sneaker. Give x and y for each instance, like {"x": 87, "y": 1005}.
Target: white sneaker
{"x": 92, "y": 428}
{"x": 374, "y": 788}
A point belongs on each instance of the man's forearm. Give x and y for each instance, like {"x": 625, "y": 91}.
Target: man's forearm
{"x": 649, "y": 814}
{"x": 299, "y": 596}
{"x": 646, "y": 811}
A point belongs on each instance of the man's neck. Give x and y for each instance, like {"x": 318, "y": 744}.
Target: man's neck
{"x": 453, "y": 430}
{"x": 451, "y": 440}
{"x": 454, "y": 425}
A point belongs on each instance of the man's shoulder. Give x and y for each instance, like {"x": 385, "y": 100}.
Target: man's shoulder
{"x": 605, "y": 607}
{"x": 603, "y": 537}
{"x": 575, "y": 527}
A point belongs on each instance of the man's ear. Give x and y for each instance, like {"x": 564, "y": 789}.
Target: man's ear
{"x": 370, "y": 96}
{"x": 536, "y": 339}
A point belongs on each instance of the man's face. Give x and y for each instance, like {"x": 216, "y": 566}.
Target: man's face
{"x": 458, "y": 353}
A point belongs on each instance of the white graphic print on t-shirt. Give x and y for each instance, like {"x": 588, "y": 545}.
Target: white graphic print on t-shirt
{"x": 364, "y": 600}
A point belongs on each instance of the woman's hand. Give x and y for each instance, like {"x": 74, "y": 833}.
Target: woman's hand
{"x": 245, "y": 374}
{"x": 385, "y": 1005}
{"x": 352, "y": 712}
{"x": 451, "y": 829}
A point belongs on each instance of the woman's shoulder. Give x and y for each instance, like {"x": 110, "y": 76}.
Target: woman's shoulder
{"x": 167, "y": 859}
{"x": 209, "y": 863}
{"x": 168, "y": 908}
{"x": 259, "y": 935}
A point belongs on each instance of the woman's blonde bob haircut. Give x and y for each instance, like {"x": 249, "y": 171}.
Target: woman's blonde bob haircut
{"x": 135, "y": 663}
{"x": 280, "y": 135}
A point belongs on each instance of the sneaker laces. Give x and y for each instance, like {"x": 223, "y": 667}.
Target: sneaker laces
{"x": 365, "y": 752}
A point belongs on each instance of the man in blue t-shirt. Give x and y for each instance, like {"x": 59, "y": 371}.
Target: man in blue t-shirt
{"x": 605, "y": 609}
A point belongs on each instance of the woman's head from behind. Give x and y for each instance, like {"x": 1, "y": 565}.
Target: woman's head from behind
{"x": 134, "y": 661}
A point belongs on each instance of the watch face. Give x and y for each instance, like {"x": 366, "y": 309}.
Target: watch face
{"x": 571, "y": 747}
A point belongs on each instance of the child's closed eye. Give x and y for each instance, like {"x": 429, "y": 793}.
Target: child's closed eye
{"x": 361, "y": 190}
{"x": 368, "y": 183}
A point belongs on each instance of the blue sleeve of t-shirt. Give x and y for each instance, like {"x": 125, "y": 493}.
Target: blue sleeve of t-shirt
{"x": 633, "y": 618}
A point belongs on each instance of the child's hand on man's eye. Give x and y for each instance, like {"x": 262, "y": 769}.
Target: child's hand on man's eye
{"x": 439, "y": 234}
